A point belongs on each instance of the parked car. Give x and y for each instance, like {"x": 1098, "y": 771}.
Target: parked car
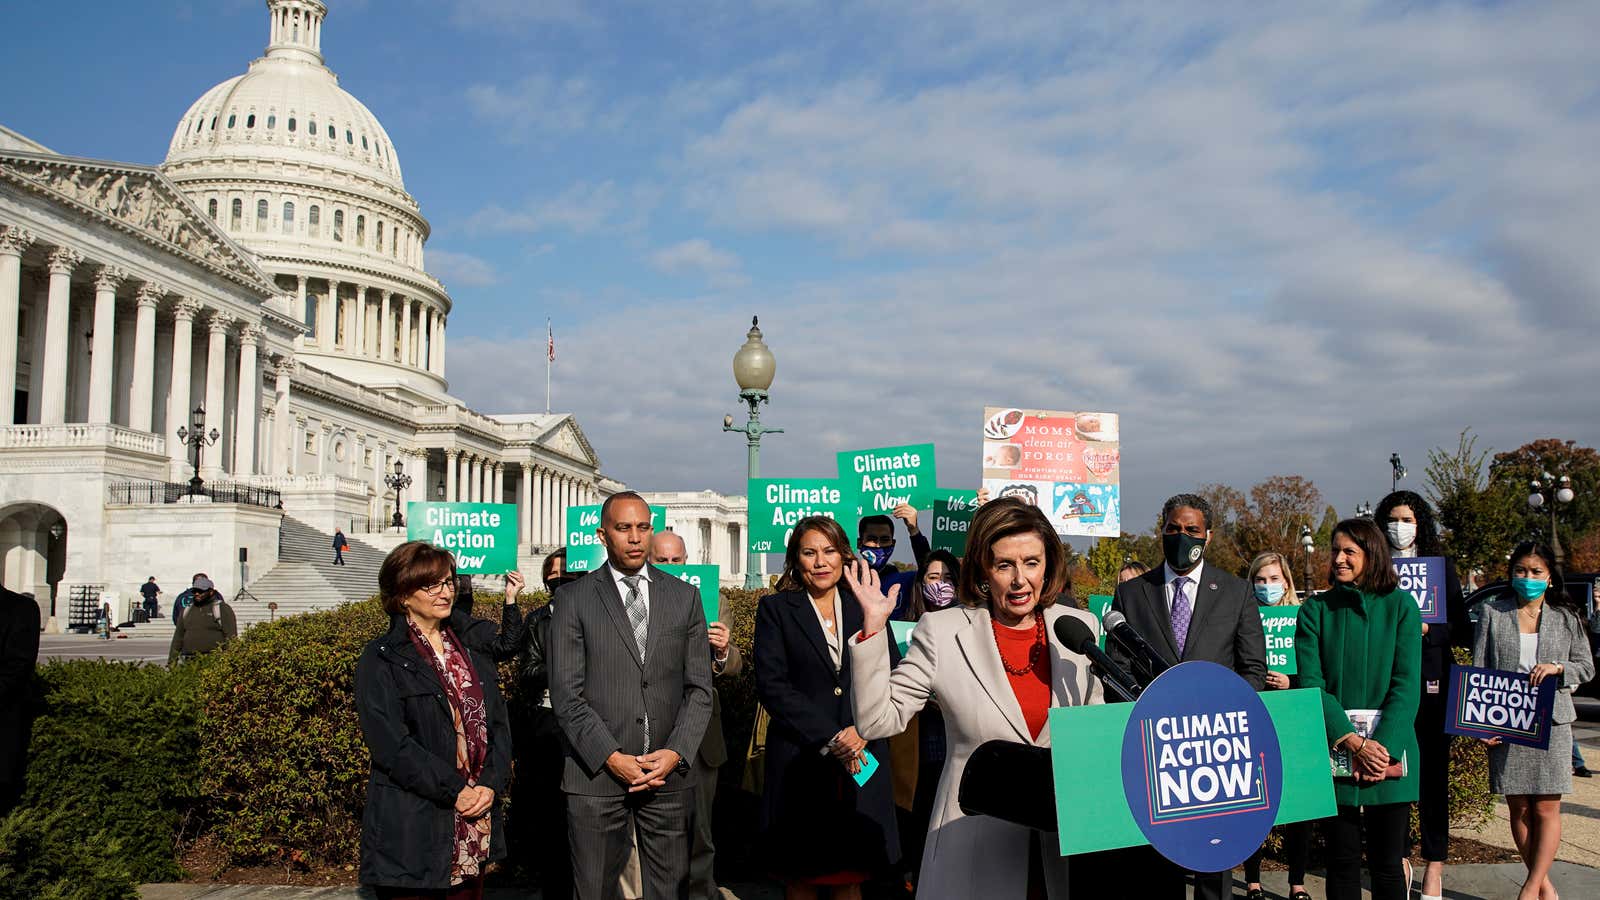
{"x": 1581, "y": 588}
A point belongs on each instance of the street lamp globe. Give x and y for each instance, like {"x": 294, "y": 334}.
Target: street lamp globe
{"x": 1307, "y": 542}
{"x": 399, "y": 467}
{"x": 1565, "y": 495}
{"x": 1536, "y": 499}
{"x": 754, "y": 366}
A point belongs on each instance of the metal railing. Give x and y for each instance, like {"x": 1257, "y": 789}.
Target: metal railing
{"x": 131, "y": 493}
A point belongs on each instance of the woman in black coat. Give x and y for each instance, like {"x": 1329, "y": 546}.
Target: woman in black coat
{"x": 440, "y": 739}
{"x": 819, "y": 827}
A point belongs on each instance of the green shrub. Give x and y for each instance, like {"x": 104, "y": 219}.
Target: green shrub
{"x": 113, "y": 769}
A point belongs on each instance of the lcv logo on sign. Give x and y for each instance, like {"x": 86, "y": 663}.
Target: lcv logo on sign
{"x": 1200, "y": 767}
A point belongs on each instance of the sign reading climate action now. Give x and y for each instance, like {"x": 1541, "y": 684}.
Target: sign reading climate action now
{"x": 1489, "y": 703}
{"x": 1279, "y": 623}
{"x": 776, "y": 504}
{"x": 1423, "y": 578}
{"x": 481, "y": 536}
{"x": 585, "y": 553}
{"x": 1201, "y": 770}
{"x": 879, "y": 480}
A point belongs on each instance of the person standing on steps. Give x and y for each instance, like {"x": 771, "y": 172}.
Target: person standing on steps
{"x": 151, "y": 593}
{"x": 339, "y": 546}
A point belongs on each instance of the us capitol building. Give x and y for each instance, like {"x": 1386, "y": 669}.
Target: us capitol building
{"x": 265, "y": 283}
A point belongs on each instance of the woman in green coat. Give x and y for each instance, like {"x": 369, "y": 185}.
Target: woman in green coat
{"x": 1360, "y": 643}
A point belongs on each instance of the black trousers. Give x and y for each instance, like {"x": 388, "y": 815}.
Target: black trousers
{"x": 1296, "y": 846}
{"x": 1433, "y": 774}
{"x": 1381, "y": 831}
{"x": 599, "y": 828}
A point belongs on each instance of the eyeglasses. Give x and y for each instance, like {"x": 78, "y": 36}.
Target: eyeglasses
{"x": 438, "y": 588}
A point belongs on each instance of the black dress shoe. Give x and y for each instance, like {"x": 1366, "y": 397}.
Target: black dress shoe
{"x": 1299, "y": 895}
{"x": 1582, "y": 772}
{"x": 1255, "y": 894}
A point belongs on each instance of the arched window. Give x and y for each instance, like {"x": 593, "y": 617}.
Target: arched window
{"x": 272, "y": 121}
{"x": 338, "y": 225}
{"x": 213, "y": 123}
{"x": 237, "y": 219}
{"x": 380, "y": 235}
{"x": 288, "y": 217}
{"x": 332, "y": 135}
{"x": 363, "y": 142}
{"x": 231, "y": 119}
{"x": 361, "y": 231}
{"x": 211, "y": 208}
{"x": 250, "y": 121}
{"x": 313, "y": 129}
{"x": 349, "y": 138}
{"x": 314, "y": 221}
{"x": 291, "y": 124}
{"x": 199, "y": 124}
{"x": 261, "y": 215}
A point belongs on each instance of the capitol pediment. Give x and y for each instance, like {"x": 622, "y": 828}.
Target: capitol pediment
{"x": 140, "y": 201}
{"x": 568, "y": 439}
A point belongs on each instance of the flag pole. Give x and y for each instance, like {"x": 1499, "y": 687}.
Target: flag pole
{"x": 549, "y": 359}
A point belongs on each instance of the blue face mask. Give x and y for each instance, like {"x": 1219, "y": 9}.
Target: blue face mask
{"x": 1269, "y": 594}
{"x": 1529, "y": 588}
{"x": 877, "y": 557}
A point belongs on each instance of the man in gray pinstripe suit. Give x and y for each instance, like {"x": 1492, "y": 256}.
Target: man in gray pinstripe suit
{"x": 630, "y": 681}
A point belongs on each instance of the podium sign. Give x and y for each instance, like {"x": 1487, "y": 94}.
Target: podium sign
{"x": 1087, "y": 758}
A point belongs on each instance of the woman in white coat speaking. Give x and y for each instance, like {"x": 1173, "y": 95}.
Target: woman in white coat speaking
{"x": 996, "y": 668}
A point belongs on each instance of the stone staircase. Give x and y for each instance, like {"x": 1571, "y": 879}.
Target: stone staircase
{"x": 305, "y": 578}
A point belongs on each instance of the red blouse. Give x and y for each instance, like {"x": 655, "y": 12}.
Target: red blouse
{"x": 1033, "y": 689}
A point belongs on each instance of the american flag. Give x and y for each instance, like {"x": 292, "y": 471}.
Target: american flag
{"x": 550, "y": 341}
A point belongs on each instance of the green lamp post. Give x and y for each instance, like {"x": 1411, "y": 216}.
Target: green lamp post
{"x": 753, "y": 369}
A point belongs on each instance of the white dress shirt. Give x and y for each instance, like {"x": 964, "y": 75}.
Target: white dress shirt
{"x": 1193, "y": 575}
{"x": 644, "y": 586}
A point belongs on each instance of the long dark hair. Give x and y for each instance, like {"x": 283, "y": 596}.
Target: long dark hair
{"x": 791, "y": 580}
{"x": 1556, "y": 594}
{"x": 1377, "y": 568}
{"x": 1427, "y": 543}
{"x": 951, "y": 565}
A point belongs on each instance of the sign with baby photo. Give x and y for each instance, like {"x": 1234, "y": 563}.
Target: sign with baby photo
{"x": 1066, "y": 463}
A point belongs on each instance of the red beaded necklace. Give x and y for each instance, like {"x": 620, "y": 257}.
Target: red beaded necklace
{"x": 1035, "y": 650}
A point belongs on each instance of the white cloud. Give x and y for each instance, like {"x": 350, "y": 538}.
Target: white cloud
{"x": 461, "y": 269}
{"x": 698, "y": 256}
{"x": 582, "y": 208}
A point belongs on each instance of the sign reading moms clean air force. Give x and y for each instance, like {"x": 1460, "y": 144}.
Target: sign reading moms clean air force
{"x": 1423, "y": 578}
{"x": 879, "y": 480}
{"x": 1068, "y": 464}
{"x": 481, "y": 536}
{"x": 776, "y": 504}
{"x": 585, "y": 553}
{"x": 1201, "y": 769}
{"x": 1490, "y": 703}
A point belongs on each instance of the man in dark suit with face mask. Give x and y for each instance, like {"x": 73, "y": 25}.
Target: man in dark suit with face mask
{"x": 1189, "y": 611}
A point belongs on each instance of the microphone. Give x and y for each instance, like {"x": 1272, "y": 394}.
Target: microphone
{"x": 1078, "y": 638}
{"x": 1145, "y": 658}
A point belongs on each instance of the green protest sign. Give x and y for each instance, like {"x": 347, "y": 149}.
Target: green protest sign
{"x": 1099, "y": 605}
{"x": 902, "y": 634}
{"x": 878, "y": 480}
{"x": 481, "y": 536}
{"x": 776, "y": 504}
{"x": 952, "y": 516}
{"x": 1279, "y": 622}
{"x": 705, "y": 579}
{"x": 1086, "y": 759}
{"x": 585, "y": 553}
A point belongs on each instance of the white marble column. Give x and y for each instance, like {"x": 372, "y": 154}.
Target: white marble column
{"x": 216, "y": 382}
{"x": 182, "y": 364}
{"x": 141, "y": 399}
{"x": 13, "y": 241}
{"x": 327, "y": 324}
{"x": 53, "y": 383}
{"x": 475, "y": 479}
{"x": 283, "y": 446}
{"x": 103, "y": 342}
{"x": 385, "y": 327}
{"x": 405, "y": 332}
{"x": 451, "y": 468}
{"x": 244, "y": 438}
{"x": 300, "y": 296}
{"x": 359, "y": 307}
{"x": 525, "y": 505}
{"x": 439, "y": 354}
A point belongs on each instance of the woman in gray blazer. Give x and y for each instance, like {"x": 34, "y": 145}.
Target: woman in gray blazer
{"x": 1535, "y": 628}
{"x": 995, "y": 668}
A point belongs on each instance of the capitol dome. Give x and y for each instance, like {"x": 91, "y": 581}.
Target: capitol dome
{"x": 304, "y": 176}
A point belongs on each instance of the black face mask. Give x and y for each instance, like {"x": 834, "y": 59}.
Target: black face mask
{"x": 1182, "y": 551}
{"x": 551, "y": 584}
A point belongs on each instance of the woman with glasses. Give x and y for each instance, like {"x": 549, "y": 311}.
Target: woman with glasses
{"x": 440, "y": 740}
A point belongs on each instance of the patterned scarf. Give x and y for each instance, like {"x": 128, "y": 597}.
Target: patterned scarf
{"x": 471, "y": 845}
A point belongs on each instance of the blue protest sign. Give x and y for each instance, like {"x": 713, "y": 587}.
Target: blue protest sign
{"x": 1423, "y": 578}
{"x": 1489, "y": 703}
{"x": 1201, "y": 768}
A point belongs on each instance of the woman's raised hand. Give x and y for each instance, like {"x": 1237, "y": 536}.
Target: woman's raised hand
{"x": 868, "y": 588}
{"x": 514, "y": 584}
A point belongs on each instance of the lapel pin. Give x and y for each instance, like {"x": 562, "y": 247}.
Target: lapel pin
{"x": 1213, "y": 585}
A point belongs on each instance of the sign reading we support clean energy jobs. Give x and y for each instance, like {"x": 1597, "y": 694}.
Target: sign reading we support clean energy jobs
{"x": 776, "y": 504}
{"x": 952, "y": 516}
{"x": 481, "y": 536}
{"x": 585, "y": 553}
{"x": 880, "y": 479}
{"x": 1279, "y": 622}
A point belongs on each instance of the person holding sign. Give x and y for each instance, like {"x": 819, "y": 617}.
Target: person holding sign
{"x": 1270, "y": 579}
{"x": 827, "y": 817}
{"x": 1360, "y": 644}
{"x": 630, "y": 680}
{"x": 1408, "y": 522}
{"x": 1535, "y": 629}
{"x": 995, "y": 667}
{"x": 875, "y": 544}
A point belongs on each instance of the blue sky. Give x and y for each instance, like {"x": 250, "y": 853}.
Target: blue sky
{"x": 1277, "y": 239}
